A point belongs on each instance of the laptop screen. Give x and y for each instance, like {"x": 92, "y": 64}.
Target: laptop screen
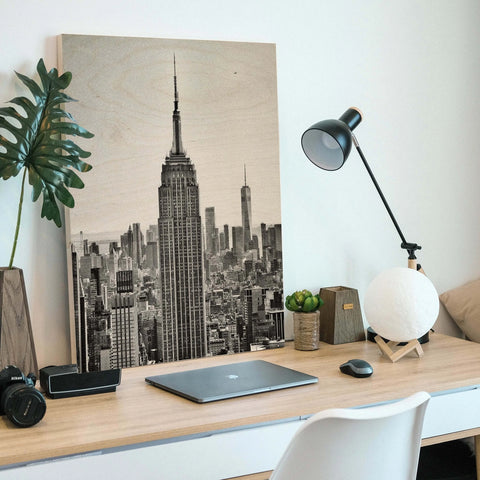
{"x": 229, "y": 381}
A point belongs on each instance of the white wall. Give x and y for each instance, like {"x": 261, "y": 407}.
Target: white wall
{"x": 411, "y": 66}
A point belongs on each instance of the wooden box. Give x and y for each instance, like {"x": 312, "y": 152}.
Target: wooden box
{"x": 341, "y": 316}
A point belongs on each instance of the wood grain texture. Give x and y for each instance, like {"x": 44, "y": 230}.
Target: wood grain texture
{"x": 16, "y": 338}
{"x": 138, "y": 412}
{"x": 341, "y": 317}
{"x": 395, "y": 350}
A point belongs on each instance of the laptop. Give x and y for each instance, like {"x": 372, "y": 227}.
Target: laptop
{"x": 230, "y": 381}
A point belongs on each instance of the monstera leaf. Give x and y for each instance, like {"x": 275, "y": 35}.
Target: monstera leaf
{"x": 37, "y": 143}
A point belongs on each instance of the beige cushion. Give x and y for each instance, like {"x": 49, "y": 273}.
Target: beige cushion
{"x": 463, "y": 304}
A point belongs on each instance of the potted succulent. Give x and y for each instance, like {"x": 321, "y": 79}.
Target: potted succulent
{"x": 34, "y": 141}
{"x": 306, "y": 318}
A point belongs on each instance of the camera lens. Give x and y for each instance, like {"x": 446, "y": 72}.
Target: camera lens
{"x": 23, "y": 405}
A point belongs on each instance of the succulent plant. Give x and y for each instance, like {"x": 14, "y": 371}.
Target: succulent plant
{"x": 303, "y": 301}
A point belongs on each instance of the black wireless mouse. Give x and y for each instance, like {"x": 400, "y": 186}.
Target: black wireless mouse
{"x": 356, "y": 368}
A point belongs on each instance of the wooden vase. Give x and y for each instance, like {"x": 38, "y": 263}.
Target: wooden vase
{"x": 341, "y": 316}
{"x": 16, "y": 339}
{"x": 306, "y": 330}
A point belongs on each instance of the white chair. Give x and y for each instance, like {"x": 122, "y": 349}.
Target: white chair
{"x": 372, "y": 443}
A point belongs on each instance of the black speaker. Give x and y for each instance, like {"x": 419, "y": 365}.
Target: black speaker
{"x": 65, "y": 381}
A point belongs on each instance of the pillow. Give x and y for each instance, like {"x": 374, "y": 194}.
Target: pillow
{"x": 463, "y": 305}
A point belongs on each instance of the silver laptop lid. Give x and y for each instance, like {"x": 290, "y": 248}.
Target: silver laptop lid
{"x": 229, "y": 381}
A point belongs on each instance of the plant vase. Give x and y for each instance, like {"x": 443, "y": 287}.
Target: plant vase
{"x": 16, "y": 339}
{"x": 306, "y": 330}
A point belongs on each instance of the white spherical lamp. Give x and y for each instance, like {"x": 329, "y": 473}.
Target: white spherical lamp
{"x": 401, "y": 304}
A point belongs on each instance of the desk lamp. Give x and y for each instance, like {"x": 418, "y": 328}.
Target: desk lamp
{"x": 327, "y": 145}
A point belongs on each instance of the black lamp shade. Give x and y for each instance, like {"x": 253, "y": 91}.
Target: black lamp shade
{"x": 327, "y": 144}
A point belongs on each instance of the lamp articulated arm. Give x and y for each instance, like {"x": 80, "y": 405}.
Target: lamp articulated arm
{"x": 409, "y": 247}
{"x": 327, "y": 145}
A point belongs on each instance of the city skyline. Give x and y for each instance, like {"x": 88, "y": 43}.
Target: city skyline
{"x": 109, "y": 235}
{"x": 121, "y": 319}
{"x": 201, "y": 273}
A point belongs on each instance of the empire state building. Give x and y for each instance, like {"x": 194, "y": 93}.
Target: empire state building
{"x": 181, "y": 331}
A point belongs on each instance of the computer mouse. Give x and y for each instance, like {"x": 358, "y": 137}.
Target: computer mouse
{"x": 356, "y": 368}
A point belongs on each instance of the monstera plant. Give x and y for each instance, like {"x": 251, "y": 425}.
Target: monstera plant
{"x": 36, "y": 142}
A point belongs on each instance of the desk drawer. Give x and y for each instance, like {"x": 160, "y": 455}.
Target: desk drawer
{"x": 452, "y": 411}
{"x": 214, "y": 457}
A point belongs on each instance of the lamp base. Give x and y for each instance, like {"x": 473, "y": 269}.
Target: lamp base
{"x": 393, "y": 354}
{"x": 371, "y": 334}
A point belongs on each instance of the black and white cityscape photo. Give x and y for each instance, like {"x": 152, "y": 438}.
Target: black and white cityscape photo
{"x": 175, "y": 241}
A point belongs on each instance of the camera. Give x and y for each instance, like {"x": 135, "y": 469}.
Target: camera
{"x": 20, "y": 401}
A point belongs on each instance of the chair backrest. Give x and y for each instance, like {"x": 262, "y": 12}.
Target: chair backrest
{"x": 380, "y": 442}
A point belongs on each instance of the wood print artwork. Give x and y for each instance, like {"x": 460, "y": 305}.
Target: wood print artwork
{"x": 174, "y": 244}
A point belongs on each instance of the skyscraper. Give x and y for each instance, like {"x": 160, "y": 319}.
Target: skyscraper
{"x": 227, "y": 237}
{"x": 211, "y": 233}
{"x": 183, "y": 331}
{"x": 80, "y": 314}
{"x": 137, "y": 245}
{"x": 237, "y": 241}
{"x": 246, "y": 204}
{"x": 254, "y": 313}
{"x": 124, "y": 347}
{"x": 126, "y": 242}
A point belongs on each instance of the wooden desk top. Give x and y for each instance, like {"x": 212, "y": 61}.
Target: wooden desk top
{"x": 138, "y": 412}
